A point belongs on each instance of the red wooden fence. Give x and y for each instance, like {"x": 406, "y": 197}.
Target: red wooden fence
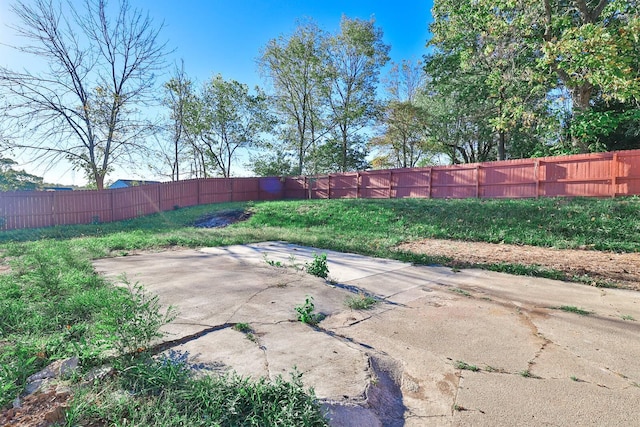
{"x": 589, "y": 175}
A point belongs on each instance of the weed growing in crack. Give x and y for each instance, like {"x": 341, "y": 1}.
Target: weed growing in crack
{"x": 465, "y": 366}
{"x": 306, "y": 314}
{"x": 628, "y": 317}
{"x": 318, "y": 267}
{"x": 459, "y": 408}
{"x": 527, "y": 374}
{"x": 247, "y": 330}
{"x": 271, "y": 262}
{"x": 460, "y": 291}
{"x": 574, "y": 378}
{"x": 138, "y": 320}
{"x": 573, "y": 309}
{"x": 361, "y": 302}
{"x": 242, "y": 327}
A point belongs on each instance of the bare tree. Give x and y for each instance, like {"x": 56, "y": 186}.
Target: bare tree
{"x": 83, "y": 107}
{"x": 179, "y": 96}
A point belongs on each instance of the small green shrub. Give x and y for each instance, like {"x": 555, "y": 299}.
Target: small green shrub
{"x": 135, "y": 320}
{"x": 271, "y": 262}
{"x": 318, "y": 267}
{"x": 306, "y": 314}
{"x": 243, "y": 327}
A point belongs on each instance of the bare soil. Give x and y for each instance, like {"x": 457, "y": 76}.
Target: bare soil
{"x": 619, "y": 269}
{"x": 222, "y": 218}
{"x": 41, "y": 409}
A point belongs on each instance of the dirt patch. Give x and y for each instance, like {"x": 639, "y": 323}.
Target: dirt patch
{"x": 38, "y": 410}
{"x": 623, "y": 269}
{"x": 222, "y": 218}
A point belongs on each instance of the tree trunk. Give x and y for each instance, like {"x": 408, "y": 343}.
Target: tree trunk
{"x": 99, "y": 180}
{"x": 501, "y": 146}
{"x": 177, "y": 176}
{"x": 580, "y": 98}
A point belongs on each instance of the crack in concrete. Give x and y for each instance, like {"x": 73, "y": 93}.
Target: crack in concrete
{"x": 358, "y": 291}
{"x": 266, "y": 357}
{"x": 455, "y": 396}
{"x": 183, "y": 340}
{"x": 334, "y": 334}
{"x": 248, "y": 301}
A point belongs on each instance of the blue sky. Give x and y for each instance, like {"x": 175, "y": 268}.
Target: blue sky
{"x": 225, "y": 37}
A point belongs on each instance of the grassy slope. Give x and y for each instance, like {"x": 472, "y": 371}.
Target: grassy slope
{"x": 52, "y": 305}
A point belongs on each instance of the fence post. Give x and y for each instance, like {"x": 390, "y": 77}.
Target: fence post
{"x": 390, "y": 183}
{"x": 329, "y": 186}
{"x": 357, "y": 184}
{"x": 197, "y": 192}
{"x": 54, "y": 214}
{"x": 430, "y": 180}
{"x": 537, "y": 176}
{"x": 614, "y": 174}
{"x": 113, "y": 213}
{"x": 159, "y": 198}
{"x": 477, "y": 181}
{"x": 259, "y": 187}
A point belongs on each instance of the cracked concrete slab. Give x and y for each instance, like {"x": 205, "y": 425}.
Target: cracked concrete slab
{"x": 401, "y": 363}
{"x": 509, "y": 400}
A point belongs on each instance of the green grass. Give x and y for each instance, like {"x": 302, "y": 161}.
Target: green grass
{"x": 53, "y": 304}
{"x": 360, "y": 302}
{"x": 169, "y": 391}
{"x": 460, "y": 291}
{"x": 465, "y": 366}
{"x": 574, "y": 309}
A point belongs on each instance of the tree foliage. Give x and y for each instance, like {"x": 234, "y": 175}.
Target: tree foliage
{"x": 179, "y": 96}
{"x": 294, "y": 66}
{"x": 525, "y": 51}
{"x": 403, "y": 137}
{"x": 15, "y": 180}
{"x": 99, "y": 68}
{"x": 325, "y": 92}
{"x": 222, "y": 119}
{"x": 355, "y": 57}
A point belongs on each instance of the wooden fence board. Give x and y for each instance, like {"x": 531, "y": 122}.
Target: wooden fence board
{"x": 589, "y": 175}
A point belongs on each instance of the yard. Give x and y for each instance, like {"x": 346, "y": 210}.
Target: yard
{"x": 54, "y": 305}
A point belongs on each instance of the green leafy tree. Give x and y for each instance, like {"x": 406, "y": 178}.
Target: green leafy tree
{"x": 101, "y": 66}
{"x": 481, "y": 51}
{"x": 402, "y": 140}
{"x": 294, "y": 65}
{"x": 15, "y": 180}
{"x": 525, "y": 49}
{"x": 593, "y": 48}
{"x": 356, "y": 55}
{"x": 272, "y": 163}
{"x": 224, "y": 118}
{"x": 460, "y": 130}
